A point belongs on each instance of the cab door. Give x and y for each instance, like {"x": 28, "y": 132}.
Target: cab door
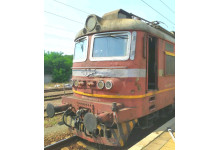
{"x": 151, "y": 62}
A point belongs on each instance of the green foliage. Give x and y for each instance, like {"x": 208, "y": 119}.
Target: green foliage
{"x": 58, "y": 65}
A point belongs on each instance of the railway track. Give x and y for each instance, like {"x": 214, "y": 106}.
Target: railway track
{"x": 54, "y": 97}
{"x": 59, "y": 113}
{"x": 51, "y": 99}
{"x": 57, "y": 95}
{"x": 60, "y": 143}
{"x": 57, "y": 89}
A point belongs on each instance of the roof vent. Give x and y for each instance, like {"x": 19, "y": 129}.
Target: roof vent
{"x": 120, "y": 13}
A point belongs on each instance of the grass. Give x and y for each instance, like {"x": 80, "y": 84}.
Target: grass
{"x": 49, "y": 122}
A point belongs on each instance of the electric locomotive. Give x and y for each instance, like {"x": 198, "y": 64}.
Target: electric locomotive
{"x": 123, "y": 76}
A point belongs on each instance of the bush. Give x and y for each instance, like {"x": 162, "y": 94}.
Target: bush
{"x": 58, "y": 65}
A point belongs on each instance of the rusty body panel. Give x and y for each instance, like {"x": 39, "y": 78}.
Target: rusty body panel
{"x": 129, "y": 98}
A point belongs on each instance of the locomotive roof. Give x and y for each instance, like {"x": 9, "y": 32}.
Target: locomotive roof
{"x": 122, "y": 20}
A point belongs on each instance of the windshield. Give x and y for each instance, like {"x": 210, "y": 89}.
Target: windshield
{"x": 80, "y": 51}
{"x": 110, "y": 45}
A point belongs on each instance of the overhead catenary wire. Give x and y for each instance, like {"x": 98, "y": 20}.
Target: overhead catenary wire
{"x": 72, "y": 7}
{"x": 59, "y": 37}
{"x": 167, "y": 6}
{"x": 158, "y": 12}
{"x": 63, "y": 17}
{"x": 88, "y": 13}
{"x": 59, "y": 28}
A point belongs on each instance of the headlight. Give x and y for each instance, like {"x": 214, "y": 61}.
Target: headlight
{"x": 108, "y": 85}
{"x": 75, "y": 83}
{"x": 101, "y": 84}
{"x": 91, "y": 22}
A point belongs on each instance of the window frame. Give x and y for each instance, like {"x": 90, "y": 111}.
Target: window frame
{"x": 169, "y": 53}
{"x": 169, "y": 49}
{"x": 117, "y": 58}
{"x": 81, "y": 60}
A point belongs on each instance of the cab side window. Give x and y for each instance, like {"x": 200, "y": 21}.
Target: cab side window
{"x": 169, "y": 59}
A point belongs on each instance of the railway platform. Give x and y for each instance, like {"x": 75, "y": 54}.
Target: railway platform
{"x": 160, "y": 139}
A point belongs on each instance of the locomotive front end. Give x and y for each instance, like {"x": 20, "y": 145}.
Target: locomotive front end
{"x": 107, "y": 76}
{"x": 103, "y": 76}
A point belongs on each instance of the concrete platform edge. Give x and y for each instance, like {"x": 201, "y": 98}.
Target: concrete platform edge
{"x": 148, "y": 139}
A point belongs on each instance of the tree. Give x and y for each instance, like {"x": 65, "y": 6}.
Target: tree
{"x": 58, "y": 65}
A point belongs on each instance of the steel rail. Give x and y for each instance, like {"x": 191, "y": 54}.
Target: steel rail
{"x": 59, "y": 143}
{"x": 57, "y": 89}
{"x": 59, "y": 113}
{"x": 51, "y": 99}
{"x": 58, "y": 95}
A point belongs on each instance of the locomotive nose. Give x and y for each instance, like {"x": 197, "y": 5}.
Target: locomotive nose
{"x": 51, "y": 109}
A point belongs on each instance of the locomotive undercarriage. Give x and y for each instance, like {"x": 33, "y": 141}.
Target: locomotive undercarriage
{"x": 148, "y": 121}
{"x": 112, "y": 136}
{"x": 103, "y": 128}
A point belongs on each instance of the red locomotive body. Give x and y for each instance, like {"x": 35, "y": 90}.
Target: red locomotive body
{"x": 123, "y": 74}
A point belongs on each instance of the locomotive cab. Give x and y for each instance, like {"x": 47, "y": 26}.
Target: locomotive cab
{"x": 117, "y": 77}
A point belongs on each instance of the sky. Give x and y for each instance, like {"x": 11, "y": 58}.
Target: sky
{"x": 64, "y": 18}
